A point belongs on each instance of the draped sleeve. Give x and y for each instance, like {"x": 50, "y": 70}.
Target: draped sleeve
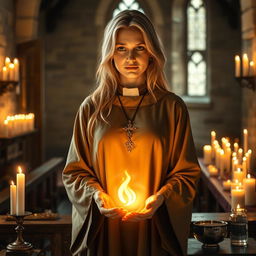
{"x": 179, "y": 187}
{"x": 81, "y": 182}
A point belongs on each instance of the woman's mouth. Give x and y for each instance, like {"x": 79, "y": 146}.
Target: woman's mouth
{"x": 131, "y": 67}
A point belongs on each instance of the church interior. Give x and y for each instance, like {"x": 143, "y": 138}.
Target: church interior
{"x": 48, "y": 57}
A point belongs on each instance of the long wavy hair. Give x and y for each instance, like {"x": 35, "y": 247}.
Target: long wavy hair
{"x": 107, "y": 75}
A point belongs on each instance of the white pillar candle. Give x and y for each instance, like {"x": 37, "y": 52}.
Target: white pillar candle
{"x": 245, "y": 65}
{"x": 4, "y": 74}
{"x": 13, "y": 198}
{"x": 226, "y": 185}
{"x": 250, "y": 190}
{"x": 251, "y": 68}
{"x": 237, "y": 197}
{"x": 213, "y": 171}
{"x": 249, "y": 154}
{"x": 207, "y": 154}
{"x": 238, "y": 175}
{"x": 20, "y": 192}
{"x": 237, "y": 66}
{"x": 16, "y": 69}
{"x": 11, "y": 71}
{"x": 245, "y": 132}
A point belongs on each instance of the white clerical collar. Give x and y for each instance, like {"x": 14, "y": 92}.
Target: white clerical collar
{"x": 131, "y": 91}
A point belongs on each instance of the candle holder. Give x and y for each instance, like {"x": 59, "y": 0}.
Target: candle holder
{"x": 6, "y": 86}
{"x": 247, "y": 82}
{"x": 19, "y": 245}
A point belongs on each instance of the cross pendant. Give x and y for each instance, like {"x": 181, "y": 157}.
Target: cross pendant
{"x": 129, "y": 129}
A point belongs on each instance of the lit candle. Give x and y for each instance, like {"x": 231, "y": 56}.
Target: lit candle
{"x": 245, "y": 65}
{"x": 245, "y": 140}
{"x": 20, "y": 192}
{"x": 235, "y": 184}
{"x": 213, "y": 137}
{"x": 237, "y": 66}
{"x": 251, "y": 69}
{"x": 240, "y": 155}
{"x": 12, "y": 199}
{"x": 11, "y": 71}
{"x": 237, "y": 197}
{"x": 244, "y": 166}
{"x": 227, "y": 185}
{"x": 250, "y": 190}
{"x": 222, "y": 163}
{"x": 5, "y": 127}
{"x": 236, "y": 146}
{"x": 248, "y": 156}
{"x": 7, "y": 61}
{"x": 238, "y": 175}
{"x": 4, "y": 74}
{"x": 213, "y": 171}
{"x": 207, "y": 154}
{"x": 228, "y": 159}
{"x": 16, "y": 69}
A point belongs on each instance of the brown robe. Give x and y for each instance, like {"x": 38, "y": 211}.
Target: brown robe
{"x": 163, "y": 160}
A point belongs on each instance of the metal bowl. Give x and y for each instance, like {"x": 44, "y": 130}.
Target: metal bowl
{"x": 210, "y": 232}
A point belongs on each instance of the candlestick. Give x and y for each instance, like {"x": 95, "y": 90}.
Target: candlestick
{"x": 16, "y": 69}
{"x": 248, "y": 156}
{"x": 236, "y": 146}
{"x": 237, "y": 66}
{"x": 245, "y": 65}
{"x": 11, "y": 71}
{"x": 237, "y": 197}
{"x": 20, "y": 192}
{"x": 19, "y": 246}
{"x": 13, "y": 198}
{"x": 245, "y": 132}
{"x": 250, "y": 190}
{"x": 240, "y": 155}
{"x": 4, "y": 73}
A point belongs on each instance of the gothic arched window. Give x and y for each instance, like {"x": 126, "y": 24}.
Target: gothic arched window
{"x": 196, "y": 48}
{"x": 127, "y": 5}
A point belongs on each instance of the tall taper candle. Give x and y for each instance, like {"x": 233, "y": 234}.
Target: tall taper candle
{"x": 245, "y": 65}
{"x": 245, "y": 140}
{"x": 12, "y": 199}
{"x": 20, "y": 192}
{"x": 237, "y": 66}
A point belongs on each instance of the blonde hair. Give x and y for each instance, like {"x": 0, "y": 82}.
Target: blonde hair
{"x": 107, "y": 75}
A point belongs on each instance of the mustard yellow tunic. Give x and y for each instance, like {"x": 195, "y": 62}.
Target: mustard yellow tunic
{"x": 163, "y": 159}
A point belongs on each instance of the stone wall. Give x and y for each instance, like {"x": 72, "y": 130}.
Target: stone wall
{"x": 8, "y": 100}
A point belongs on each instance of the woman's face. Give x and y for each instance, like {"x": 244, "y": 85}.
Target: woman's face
{"x": 131, "y": 57}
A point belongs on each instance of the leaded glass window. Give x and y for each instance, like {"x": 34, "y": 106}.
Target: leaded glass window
{"x": 127, "y": 5}
{"x": 196, "y": 49}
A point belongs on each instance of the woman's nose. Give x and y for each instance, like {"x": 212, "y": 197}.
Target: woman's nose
{"x": 130, "y": 55}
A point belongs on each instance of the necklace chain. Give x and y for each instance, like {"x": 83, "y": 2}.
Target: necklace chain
{"x": 130, "y": 128}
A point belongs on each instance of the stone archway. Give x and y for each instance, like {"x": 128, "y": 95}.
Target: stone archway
{"x": 27, "y": 12}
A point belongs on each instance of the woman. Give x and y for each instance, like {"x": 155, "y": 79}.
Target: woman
{"x": 131, "y": 170}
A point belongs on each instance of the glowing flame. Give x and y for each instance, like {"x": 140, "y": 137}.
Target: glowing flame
{"x": 126, "y": 195}
{"x": 19, "y": 169}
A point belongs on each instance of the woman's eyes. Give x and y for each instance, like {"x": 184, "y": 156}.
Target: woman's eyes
{"x": 122, "y": 48}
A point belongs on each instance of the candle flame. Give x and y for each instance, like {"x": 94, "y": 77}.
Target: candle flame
{"x": 245, "y": 131}
{"x": 248, "y": 175}
{"x": 12, "y": 183}
{"x": 19, "y": 169}
{"x": 238, "y": 206}
{"x": 126, "y": 194}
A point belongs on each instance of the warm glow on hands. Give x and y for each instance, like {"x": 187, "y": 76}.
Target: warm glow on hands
{"x": 106, "y": 205}
{"x": 152, "y": 203}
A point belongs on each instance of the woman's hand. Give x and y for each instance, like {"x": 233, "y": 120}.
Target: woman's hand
{"x": 106, "y": 206}
{"x": 151, "y": 205}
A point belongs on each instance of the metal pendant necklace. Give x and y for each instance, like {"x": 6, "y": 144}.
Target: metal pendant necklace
{"x": 130, "y": 128}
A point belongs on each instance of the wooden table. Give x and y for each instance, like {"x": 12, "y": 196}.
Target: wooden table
{"x": 213, "y": 186}
{"x": 225, "y": 248}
